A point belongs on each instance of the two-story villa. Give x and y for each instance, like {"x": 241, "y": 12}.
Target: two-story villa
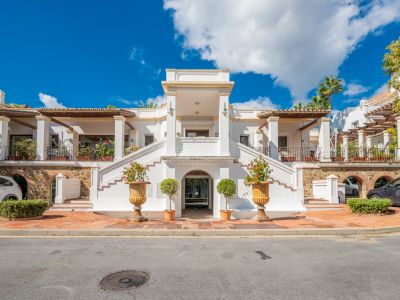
{"x": 197, "y": 137}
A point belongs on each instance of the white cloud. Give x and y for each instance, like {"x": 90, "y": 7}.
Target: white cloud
{"x": 296, "y": 42}
{"x": 353, "y": 89}
{"x": 159, "y": 100}
{"x": 50, "y": 101}
{"x": 383, "y": 88}
{"x": 137, "y": 56}
{"x": 260, "y": 103}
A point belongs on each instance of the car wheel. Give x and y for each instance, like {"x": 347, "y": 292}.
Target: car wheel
{"x": 10, "y": 198}
{"x": 355, "y": 193}
{"x": 374, "y": 196}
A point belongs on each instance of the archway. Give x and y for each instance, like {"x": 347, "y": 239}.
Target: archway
{"x": 197, "y": 194}
{"x": 353, "y": 186}
{"x": 381, "y": 181}
{"x": 23, "y": 184}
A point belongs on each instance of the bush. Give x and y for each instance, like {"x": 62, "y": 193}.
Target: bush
{"x": 169, "y": 186}
{"x": 369, "y": 206}
{"x": 22, "y": 208}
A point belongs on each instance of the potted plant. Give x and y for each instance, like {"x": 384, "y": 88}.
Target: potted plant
{"x": 135, "y": 176}
{"x": 105, "y": 150}
{"x": 226, "y": 187}
{"x": 60, "y": 153}
{"x": 131, "y": 149}
{"x": 24, "y": 149}
{"x": 258, "y": 178}
{"x": 169, "y": 187}
{"x": 84, "y": 153}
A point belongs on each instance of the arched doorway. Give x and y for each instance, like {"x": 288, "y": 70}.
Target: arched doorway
{"x": 353, "y": 186}
{"x": 197, "y": 187}
{"x": 381, "y": 181}
{"x": 23, "y": 184}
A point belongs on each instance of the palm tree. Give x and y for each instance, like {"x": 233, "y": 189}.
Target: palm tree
{"x": 329, "y": 86}
{"x": 150, "y": 104}
{"x": 298, "y": 106}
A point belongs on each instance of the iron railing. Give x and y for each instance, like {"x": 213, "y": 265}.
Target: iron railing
{"x": 80, "y": 154}
{"x": 291, "y": 154}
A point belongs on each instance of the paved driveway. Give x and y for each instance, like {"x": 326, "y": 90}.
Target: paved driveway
{"x": 203, "y": 268}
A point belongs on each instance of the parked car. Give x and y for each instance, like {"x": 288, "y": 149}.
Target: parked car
{"x": 9, "y": 189}
{"x": 390, "y": 190}
{"x": 351, "y": 187}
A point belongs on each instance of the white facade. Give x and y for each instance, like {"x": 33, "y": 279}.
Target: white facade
{"x": 196, "y": 134}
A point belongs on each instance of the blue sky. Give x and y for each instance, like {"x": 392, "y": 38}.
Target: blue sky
{"x": 93, "y": 53}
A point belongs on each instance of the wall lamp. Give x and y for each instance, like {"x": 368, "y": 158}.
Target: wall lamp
{"x": 225, "y": 112}
{"x": 171, "y": 110}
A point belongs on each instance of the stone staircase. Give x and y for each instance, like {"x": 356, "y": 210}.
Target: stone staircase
{"x": 73, "y": 204}
{"x": 319, "y": 204}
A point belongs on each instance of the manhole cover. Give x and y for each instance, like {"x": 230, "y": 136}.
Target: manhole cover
{"x": 124, "y": 280}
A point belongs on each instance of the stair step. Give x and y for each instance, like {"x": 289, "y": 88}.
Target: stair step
{"x": 71, "y": 206}
{"x": 316, "y": 202}
{"x": 78, "y": 201}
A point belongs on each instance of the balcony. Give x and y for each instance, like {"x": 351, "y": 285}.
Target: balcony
{"x": 364, "y": 154}
{"x": 197, "y": 146}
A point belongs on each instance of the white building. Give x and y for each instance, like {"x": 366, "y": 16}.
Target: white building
{"x": 197, "y": 137}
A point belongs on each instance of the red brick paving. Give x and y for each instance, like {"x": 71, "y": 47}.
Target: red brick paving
{"x": 341, "y": 218}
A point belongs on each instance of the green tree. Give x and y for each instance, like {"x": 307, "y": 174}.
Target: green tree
{"x": 323, "y": 99}
{"x": 150, "y": 104}
{"x": 391, "y": 65}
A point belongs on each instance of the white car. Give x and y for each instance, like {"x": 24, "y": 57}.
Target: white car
{"x": 9, "y": 189}
{"x": 351, "y": 188}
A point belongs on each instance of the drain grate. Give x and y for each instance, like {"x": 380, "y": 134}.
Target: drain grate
{"x": 124, "y": 280}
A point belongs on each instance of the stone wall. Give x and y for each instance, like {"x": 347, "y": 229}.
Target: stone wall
{"x": 366, "y": 176}
{"x": 39, "y": 179}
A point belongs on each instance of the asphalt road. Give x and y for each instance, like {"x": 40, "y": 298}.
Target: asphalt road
{"x": 203, "y": 268}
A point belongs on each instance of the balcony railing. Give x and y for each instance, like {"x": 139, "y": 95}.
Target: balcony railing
{"x": 81, "y": 154}
{"x": 291, "y": 154}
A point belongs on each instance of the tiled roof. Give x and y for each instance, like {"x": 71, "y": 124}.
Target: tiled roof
{"x": 382, "y": 98}
{"x": 295, "y": 113}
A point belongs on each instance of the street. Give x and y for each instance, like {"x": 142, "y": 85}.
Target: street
{"x": 203, "y": 268}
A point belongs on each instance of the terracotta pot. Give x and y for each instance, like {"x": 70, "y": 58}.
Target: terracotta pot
{"x": 169, "y": 215}
{"x": 261, "y": 198}
{"x": 225, "y": 215}
{"x": 83, "y": 157}
{"x": 137, "y": 196}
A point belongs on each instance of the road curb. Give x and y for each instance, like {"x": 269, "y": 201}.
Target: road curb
{"x": 200, "y": 233}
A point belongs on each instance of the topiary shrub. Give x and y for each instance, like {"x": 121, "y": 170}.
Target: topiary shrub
{"x": 169, "y": 187}
{"x": 22, "y": 208}
{"x": 369, "y": 206}
{"x": 227, "y": 187}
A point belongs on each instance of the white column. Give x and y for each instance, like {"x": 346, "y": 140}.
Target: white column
{"x": 42, "y": 137}
{"x": 171, "y": 124}
{"x": 368, "y": 145}
{"x": 368, "y": 141}
{"x": 324, "y": 139}
{"x": 137, "y": 137}
{"x": 119, "y": 137}
{"x": 224, "y": 124}
{"x": 345, "y": 148}
{"x": 332, "y": 188}
{"x": 360, "y": 143}
{"x": 94, "y": 183}
{"x": 386, "y": 141}
{"x": 132, "y": 137}
{"x": 364, "y": 110}
{"x": 73, "y": 142}
{"x": 273, "y": 133}
{"x": 219, "y": 200}
{"x": 4, "y": 137}
{"x": 398, "y": 138}
{"x": 60, "y": 189}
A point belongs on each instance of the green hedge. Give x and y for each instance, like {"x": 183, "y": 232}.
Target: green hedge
{"x": 369, "y": 206}
{"x": 22, "y": 208}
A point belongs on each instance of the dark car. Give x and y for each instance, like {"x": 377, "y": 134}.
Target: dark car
{"x": 390, "y": 190}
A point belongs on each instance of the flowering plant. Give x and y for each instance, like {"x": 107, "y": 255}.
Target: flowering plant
{"x": 258, "y": 171}
{"x": 105, "y": 148}
{"x": 135, "y": 172}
